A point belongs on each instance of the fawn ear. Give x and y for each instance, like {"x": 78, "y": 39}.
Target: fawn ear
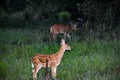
{"x": 62, "y": 41}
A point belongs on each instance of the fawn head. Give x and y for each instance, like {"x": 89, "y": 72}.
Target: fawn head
{"x": 66, "y": 46}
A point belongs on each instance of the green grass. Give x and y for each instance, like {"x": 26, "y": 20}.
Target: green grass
{"x": 88, "y": 60}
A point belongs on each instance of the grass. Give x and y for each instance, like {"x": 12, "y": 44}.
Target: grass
{"x": 88, "y": 60}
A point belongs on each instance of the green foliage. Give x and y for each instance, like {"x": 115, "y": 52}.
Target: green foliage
{"x": 3, "y": 70}
{"x": 16, "y": 5}
{"x": 64, "y": 17}
{"x": 93, "y": 60}
{"x": 100, "y": 19}
{"x": 95, "y": 53}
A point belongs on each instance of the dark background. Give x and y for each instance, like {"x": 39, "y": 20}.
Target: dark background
{"x": 99, "y": 16}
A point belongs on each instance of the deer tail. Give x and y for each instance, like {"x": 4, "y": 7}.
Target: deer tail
{"x": 51, "y": 30}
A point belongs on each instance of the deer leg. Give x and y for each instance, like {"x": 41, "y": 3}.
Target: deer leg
{"x": 65, "y": 34}
{"x": 52, "y": 37}
{"x": 53, "y": 69}
{"x": 68, "y": 36}
{"x": 35, "y": 71}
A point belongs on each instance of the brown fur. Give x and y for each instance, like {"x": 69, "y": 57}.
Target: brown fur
{"x": 61, "y": 28}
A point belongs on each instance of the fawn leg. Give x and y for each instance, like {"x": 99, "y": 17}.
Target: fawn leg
{"x": 53, "y": 69}
{"x": 35, "y": 70}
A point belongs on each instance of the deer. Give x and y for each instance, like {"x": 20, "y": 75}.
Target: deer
{"x": 53, "y": 60}
{"x": 61, "y": 28}
{"x": 55, "y": 29}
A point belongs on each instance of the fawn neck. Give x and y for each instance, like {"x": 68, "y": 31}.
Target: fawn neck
{"x": 60, "y": 52}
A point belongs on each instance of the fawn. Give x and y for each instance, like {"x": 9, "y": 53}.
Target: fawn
{"x": 39, "y": 60}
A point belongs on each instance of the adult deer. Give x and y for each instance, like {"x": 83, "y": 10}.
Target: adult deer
{"x": 62, "y": 28}
{"x": 39, "y": 60}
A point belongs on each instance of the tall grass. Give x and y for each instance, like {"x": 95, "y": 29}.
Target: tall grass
{"x": 88, "y": 60}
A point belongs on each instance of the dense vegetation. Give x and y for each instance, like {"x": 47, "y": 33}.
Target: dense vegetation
{"x": 101, "y": 18}
{"x": 88, "y": 60}
{"x": 24, "y": 31}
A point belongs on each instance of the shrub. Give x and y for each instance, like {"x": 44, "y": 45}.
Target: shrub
{"x": 3, "y": 70}
{"x": 63, "y": 17}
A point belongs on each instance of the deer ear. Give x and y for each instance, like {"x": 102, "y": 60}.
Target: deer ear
{"x": 62, "y": 41}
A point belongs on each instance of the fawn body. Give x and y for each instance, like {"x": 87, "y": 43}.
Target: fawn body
{"x": 39, "y": 60}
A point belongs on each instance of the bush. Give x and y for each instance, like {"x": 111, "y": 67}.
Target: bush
{"x": 3, "y": 70}
{"x": 63, "y": 17}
